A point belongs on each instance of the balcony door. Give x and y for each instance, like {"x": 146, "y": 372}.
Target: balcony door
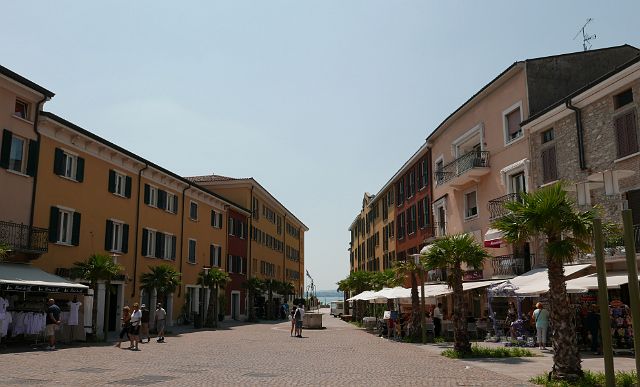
{"x": 517, "y": 183}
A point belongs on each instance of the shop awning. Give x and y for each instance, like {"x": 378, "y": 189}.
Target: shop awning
{"x": 364, "y": 296}
{"x": 26, "y": 278}
{"x": 536, "y": 281}
{"x": 480, "y": 284}
{"x": 590, "y": 282}
{"x": 493, "y": 238}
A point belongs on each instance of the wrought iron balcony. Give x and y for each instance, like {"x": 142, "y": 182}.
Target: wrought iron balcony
{"x": 510, "y": 265}
{"x": 464, "y": 166}
{"x": 496, "y": 206}
{"x": 24, "y": 239}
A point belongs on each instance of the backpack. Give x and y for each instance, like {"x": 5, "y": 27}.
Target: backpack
{"x": 297, "y": 315}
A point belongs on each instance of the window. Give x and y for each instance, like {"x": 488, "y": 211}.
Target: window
{"x": 279, "y": 224}
{"x": 549, "y": 168}
{"x": 423, "y": 213}
{"x": 517, "y": 184}
{"x": 547, "y": 136}
{"x": 116, "y": 236}
{"x": 16, "y": 157}
{"x": 13, "y": 152}
{"x": 391, "y": 229}
{"x": 401, "y": 225}
{"x": 68, "y": 165}
{"x": 424, "y": 175}
{"x": 235, "y": 264}
{"x": 168, "y": 243}
{"x": 624, "y": 98}
{"x": 119, "y": 184}
{"x": 215, "y": 254}
{"x": 148, "y": 242}
{"x": 172, "y": 203}
{"x": 193, "y": 211}
{"x": 216, "y": 219}
{"x": 192, "y": 251}
{"x": 400, "y": 192}
{"x": 626, "y": 134}
{"x": 412, "y": 220}
{"x": 412, "y": 183}
{"x": 21, "y": 109}
{"x": 440, "y": 171}
{"x": 470, "y": 205}
{"x": 150, "y": 195}
{"x": 512, "y": 121}
{"x": 64, "y": 226}
{"x": 256, "y": 209}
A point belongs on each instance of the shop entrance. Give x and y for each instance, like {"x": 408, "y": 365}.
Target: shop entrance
{"x": 235, "y": 305}
{"x": 113, "y": 307}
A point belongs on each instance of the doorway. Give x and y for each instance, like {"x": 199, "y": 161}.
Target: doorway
{"x": 113, "y": 308}
{"x": 235, "y": 305}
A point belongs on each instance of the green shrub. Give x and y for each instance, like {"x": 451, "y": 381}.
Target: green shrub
{"x": 486, "y": 352}
{"x": 590, "y": 379}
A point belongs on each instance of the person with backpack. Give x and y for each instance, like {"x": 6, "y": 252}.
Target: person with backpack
{"x": 298, "y": 316}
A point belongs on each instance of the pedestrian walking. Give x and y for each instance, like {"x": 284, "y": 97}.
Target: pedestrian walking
{"x": 299, "y": 316}
{"x": 160, "y": 318}
{"x": 125, "y": 325}
{"x": 52, "y": 320}
{"x": 542, "y": 324}
{"x": 592, "y": 323}
{"x": 292, "y": 318}
{"x": 437, "y": 320}
{"x": 134, "y": 331}
{"x": 144, "y": 327}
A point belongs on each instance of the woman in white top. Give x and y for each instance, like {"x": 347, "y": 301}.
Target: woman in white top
{"x": 134, "y": 331}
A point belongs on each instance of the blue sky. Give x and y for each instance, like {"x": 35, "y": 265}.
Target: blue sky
{"x": 319, "y": 101}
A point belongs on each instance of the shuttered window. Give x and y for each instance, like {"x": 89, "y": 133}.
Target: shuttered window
{"x": 549, "y": 167}
{"x": 626, "y": 134}
{"x": 513, "y": 125}
{"x": 64, "y": 226}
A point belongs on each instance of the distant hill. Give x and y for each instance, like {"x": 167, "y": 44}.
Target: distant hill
{"x": 328, "y": 293}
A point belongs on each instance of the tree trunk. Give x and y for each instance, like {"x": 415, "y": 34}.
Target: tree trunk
{"x": 566, "y": 358}
{"x": 414, "y": 331}
{"x": 107, "y": 303}
{"x": 461, "y": 337}
{"x": 270, "y": 305}
{"x": 212, "y": 317}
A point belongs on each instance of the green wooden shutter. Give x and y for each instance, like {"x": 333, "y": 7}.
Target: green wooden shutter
{"x": 125, "y": 238}
{"x": 108, "y": 236}
{"x": 54, "y": 222}
{"x": 112, "y": 181}
{"x": 213, "y": 218}
{"x": 219, "y": 255}
{"x": 145, "y": 242}
{"x": 127, "y": 187}
{"x": 160, "y": 245}
{"x": 211, "y": 253}
{"x": 58, "y": 162}
{"x": 5, "y": 151}
{"x": 162, "y": 199}
{"x": 175, "y": 205}
{"x": 173, "y": 247}
{"x": 147, "y": 193}
{"x": 80, "y": 169}
{"x": 32, "y": 157}
{"x": 75, "y": 233}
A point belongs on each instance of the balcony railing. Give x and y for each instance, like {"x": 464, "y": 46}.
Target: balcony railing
{"x": 471, "y": 160}
{"x": 22, "y": 238}
{"x": 510, "y": 265}
{"x": 496, "y": 206}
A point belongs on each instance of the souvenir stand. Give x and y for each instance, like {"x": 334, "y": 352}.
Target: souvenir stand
{"x": 24, "y": 291}
{"x": 503, "y": 289}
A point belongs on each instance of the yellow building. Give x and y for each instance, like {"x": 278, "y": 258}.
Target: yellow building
{"x": 276, "y": 247}
{"x": 96, "y": 197}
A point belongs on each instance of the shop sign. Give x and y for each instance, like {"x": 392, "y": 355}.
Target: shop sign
{"x": 588, "y": 298}
{"x": 40, "y": 289}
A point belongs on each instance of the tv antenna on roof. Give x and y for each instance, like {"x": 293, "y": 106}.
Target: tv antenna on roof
{"x": 586, "y": 38}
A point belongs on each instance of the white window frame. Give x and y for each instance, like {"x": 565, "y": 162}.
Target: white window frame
{"x": 435, "y": 168}
{"x": 116, "y": 235}
{"x": 120, "y": 184}
{"x": 191, "y": 203}
{"x": 151, "y": 243}
{"x": 216, "y": 256}
{"x": 191, "y": 259}
{"x": 230, "y": 263}
{"x": 170, "y": 202}
{"x": 27, "y": 108}
{"x": 505, "y": 124}
{"x": 168, "y": 246}
{"x": 65, "y": 234}
{"x": 509, "y": 171}
{"x": 70, "y": 165}
{"x": 153, "y": 196}
{"x": 477, "y": 130}
{"x": 466, "y": 210}
{"x": 24, "y": 156}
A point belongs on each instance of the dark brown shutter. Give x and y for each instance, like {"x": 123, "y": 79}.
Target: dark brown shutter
{"x": 549, "y": 168}
{"x": 145, "y": 242}
{"x": 32, "y": 160}
{"x": 513, "y": 122}
{"x": 5, "y": 151}
{"x": 108, "y": 236}
{"x": 626, "y": 134}
{"x": 58, "y": 162}
{"x": 125, "y": 238}
{"x": 53, "y": 224}
{"x": 80, "y": 169}
{"x": 112, "y": 181}
{"x": 127, "y": 187}
{"x": 75, "y": 232}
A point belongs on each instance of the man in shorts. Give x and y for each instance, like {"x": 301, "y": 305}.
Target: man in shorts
{"x": 134, "y": 332}
{"x": 53, "y": 320}
{"x": 160, "y": 317}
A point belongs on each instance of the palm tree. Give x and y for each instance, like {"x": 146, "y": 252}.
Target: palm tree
{"x": 409, "y": 268}
{"x": 453, "y": 251}
{"x": 98, "y": 268}
{"x": 386, "y": 279}
{"x": 548, "y": 213}
{"x": 254, "y": 286}
{"x": 271, "y": 285}
{"x": 357, "y": 282}
{"x": 164, "y": 279}
{"x": 214, "y": 280}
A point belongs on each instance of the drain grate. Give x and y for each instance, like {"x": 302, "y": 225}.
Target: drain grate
{"x": 260, "y": 375}
{"x": 90, "y": 370}
{"x": 144, "y": 380}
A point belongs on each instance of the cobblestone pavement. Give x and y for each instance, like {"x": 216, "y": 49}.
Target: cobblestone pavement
{"x": 258, "y": 354}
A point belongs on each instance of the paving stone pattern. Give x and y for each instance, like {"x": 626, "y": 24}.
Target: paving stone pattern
{"x": 247, "y": 355}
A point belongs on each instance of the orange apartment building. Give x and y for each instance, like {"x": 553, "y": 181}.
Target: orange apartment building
{"x": 276, "y": 235}
{"x": 96, "y": 197}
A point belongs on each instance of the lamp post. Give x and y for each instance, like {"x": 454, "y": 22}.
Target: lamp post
{"x": 205, "y": 270}
{"x": 423, "y": 327}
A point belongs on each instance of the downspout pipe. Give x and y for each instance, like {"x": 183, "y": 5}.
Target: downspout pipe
{"x": 135, "y": 252}
{"x": 580, "y": 132}
{"x": 35, "y": 174}
{"x": 182, "y": 235}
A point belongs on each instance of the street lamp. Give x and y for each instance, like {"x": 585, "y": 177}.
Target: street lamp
{"x": 416, "y": 258}
{"x": 205, "y": 270}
